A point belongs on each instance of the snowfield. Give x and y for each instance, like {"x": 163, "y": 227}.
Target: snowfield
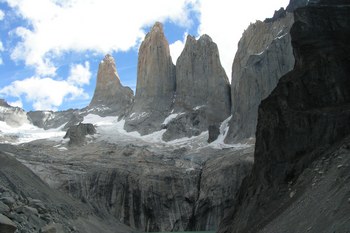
{"x": 111, "y": 130}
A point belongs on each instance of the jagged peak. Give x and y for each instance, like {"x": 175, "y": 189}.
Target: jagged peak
{"x": 202, "y": 39}
{"x": 157, "y": 27}
{"x": 108, "y": 59}
{"x": 205, "y": 38}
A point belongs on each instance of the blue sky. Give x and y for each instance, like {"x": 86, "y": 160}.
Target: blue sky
{"x": 50, "y": 49}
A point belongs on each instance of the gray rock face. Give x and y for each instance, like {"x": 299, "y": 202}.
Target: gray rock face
{"x": 77, "y": 133}
{"x": 12, "y": 116}
{"x": 34, "y": 205}
{"x": 146, "y": 187}
{"x": 264, "y": 54}
{"x": 302, "y": 142}
{"x": 110, "y": 95}
{"x": 220, "y": 178}
{"x": 201, "y": 82}
{"x": 155, "y": 84}
{"x": 160, "y": 196}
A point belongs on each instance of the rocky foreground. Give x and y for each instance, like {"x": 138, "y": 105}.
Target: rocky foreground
{"x": 147, "y": 188}
{"x": 27, "y": 204}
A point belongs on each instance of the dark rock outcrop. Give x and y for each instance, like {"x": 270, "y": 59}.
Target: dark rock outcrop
{"x": 188, "y": 124}
{"x": 220, "y": 177}
{"x": 300, "y": 179}
{"x": 110, "y": 95}
{"x": 77, "y": 133}
{"x": 6, "y": 225}
{"x": 294, "y": 4}
{"x": 201, "y": 82}
{"x": 155, "y": 84}
{"x": 214, "y": 132}
{"x": 264, "y": 54}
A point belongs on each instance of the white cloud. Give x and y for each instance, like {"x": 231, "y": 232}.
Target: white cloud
{"x": 96, "y": 25}
{"x": 2, "y": 15}
{"x": 80, "y": 74}
{"x": 17, "y": 103}
{"x": 44, "y": 93}
{"x": 224, "y": 21}
{"x": 177, "y": 47}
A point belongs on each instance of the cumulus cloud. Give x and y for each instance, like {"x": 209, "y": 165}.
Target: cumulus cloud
{"x": 96, "y": 25}
{"x": 224, "y": 21}
{"x": 44, "y": 93}
{"x": 177, "y": 47}
{"x": 2, "y": 15}
{"x": 80, "y": 74}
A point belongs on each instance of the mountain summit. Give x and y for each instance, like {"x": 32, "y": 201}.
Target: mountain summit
{"x": 155, "y": 83}
{"x": 109, "y": 92}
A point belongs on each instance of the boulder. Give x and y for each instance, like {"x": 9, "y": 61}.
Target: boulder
{"x": 77, "y": 133}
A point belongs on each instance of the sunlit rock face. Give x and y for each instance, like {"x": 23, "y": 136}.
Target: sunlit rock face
{"x": 110, "y": 95}
{"x": 155, "y": 87}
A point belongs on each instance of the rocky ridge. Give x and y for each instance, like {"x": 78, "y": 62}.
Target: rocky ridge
{"x": 302, "y": 142}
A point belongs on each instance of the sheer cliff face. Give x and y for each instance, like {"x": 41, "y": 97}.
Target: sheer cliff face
{"x": 109, "y": 91}
{"x": 155, "y": 83}
{"x": 302, "y": 140}
{"x": 264, "y": 54}
{"x": 201, "y": 80}
{"x": 155, "y": 70}
{"x": 202, "y": 90}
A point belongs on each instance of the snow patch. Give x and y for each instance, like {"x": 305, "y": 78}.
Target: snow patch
{"x": 170, "y": 118}
{"x": 198, "y": 107}
{"x": 219, "y": 142}
{"x": 28, "y": 132}
{"x": 135, "y": 116}
{"x": 280, "y": 37}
